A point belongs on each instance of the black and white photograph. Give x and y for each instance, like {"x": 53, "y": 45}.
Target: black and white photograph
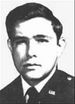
{"x": 37, "y": 52}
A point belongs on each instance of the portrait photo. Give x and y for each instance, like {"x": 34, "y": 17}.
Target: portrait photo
{"x": 37, "y": 52}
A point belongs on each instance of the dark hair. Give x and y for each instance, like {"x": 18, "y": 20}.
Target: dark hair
{"x": 28, "y": 11}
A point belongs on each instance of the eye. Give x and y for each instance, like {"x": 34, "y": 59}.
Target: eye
{"x": 19, "y": 41}
{"x": 42, "y": 40}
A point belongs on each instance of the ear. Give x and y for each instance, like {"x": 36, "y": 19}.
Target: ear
{"x": 9, "y": 44}
{"x": 61, "y": 46}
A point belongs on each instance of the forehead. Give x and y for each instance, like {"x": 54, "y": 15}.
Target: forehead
{"x": 35, "y": 26}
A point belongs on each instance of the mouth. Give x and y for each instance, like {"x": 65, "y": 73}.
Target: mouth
{"x": 29, "y": 64}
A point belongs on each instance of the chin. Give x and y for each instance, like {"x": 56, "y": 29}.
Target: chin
{"x": 35, "y": 79}
{"x": 34, "y": 75}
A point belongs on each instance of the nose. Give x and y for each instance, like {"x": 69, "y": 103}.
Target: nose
{"x": 32, "y": 48}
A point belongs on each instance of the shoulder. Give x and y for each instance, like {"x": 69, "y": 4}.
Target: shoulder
{"x": 10, "y": 90}
{"x": 65, "y": 78}
{"x": 14, "y": 83}
{"x": 62, "y": 78}
{"x": 64, "y": 86}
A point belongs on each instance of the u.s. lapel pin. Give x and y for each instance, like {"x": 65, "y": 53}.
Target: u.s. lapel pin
{"x": 51, "y": 92}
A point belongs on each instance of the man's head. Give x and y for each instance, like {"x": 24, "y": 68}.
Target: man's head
{"x": 34, "y": 40}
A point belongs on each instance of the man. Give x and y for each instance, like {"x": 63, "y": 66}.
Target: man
{"x": 35, "y": 43}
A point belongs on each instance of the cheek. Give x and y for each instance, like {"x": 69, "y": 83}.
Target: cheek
{"x": 49, "y": 50}
{"x": 19, "y": 54}
{"x": 21, "y": 50}
{"x": 48, "y": 54}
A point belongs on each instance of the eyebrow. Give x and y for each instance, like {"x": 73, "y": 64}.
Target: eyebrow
{"x": 35, "y": 37}
{"x": 39, "y": 36}
{"x": 19, "y": 38}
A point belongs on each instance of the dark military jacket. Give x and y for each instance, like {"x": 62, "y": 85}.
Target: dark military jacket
{"x": 58, "y": 90}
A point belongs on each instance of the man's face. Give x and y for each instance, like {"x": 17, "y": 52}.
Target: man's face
{"x": 34, "y": 48}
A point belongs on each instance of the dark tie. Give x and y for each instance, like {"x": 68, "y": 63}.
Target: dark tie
{"x": 31, "y": 96}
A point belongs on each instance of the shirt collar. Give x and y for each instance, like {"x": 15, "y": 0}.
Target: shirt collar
{"x": 39, "y": 86}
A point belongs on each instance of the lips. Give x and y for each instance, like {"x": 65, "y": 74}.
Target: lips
{"x": 29, "y": 64}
